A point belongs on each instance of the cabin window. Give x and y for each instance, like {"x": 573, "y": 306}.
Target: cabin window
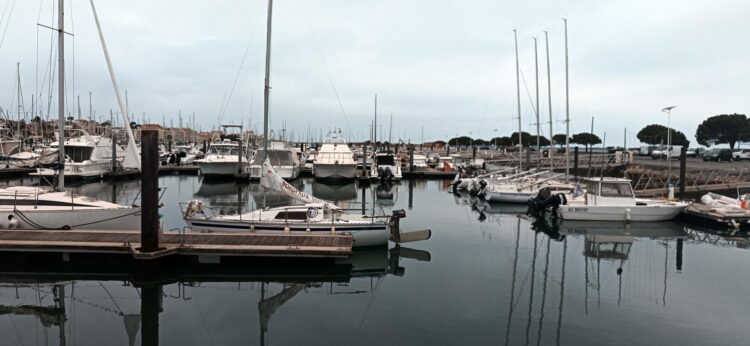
{"x": 291, "y": 215}
{"x": 78, "y": 154}
{"x": 616, "y": 189}
{"x": 385, "y": 160}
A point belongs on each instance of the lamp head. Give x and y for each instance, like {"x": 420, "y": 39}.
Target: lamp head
{"x": 667, "y": 109}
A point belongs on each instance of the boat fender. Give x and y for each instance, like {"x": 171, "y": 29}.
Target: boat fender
{"x": 12, "y": 222}
{"x": 707, "y": 199}
{"x": 627, "y": 214}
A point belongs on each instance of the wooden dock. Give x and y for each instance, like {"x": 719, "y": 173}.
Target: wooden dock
{"x": 244, "y": 244}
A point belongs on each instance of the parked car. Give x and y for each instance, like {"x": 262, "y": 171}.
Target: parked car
{"x": 742, "y": 154}
{"x": 695, "y": 152}
{"x": 718, "y": 155}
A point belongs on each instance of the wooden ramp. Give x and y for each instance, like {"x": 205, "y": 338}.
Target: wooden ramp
{"x": 216, "y": 244}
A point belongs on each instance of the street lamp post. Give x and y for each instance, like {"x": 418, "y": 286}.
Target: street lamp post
{"x": 668, "y": 110}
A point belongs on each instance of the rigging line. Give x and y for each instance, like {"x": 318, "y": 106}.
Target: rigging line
{"x": 111, "y": 298}
{"x": 36, "y": 68}
{"x": 223, "y": 110}
{"x": 325, "y": 66}
{"x": 7, "y": 21}
{"x": 533, "y": 107}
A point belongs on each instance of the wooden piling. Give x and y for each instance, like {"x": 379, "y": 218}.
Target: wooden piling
{"x": 683, "y": 165}
{"x": 114, "y": 150}
{"x": 575, "y": 162}
{"x": 150, "y": 193}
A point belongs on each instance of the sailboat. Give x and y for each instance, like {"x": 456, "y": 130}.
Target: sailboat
{"x": 39, "y": 208}
{"x": 315, "y": 215}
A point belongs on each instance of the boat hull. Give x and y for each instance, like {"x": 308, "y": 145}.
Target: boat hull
{"x": 74, "y": 218}
{"x": 369, "y": 234}
{"x": 219, "y": 168}
{"x": 78, "y": 170}
{"x": 335, "y": 171}
{"x": 509, "y": 197}
{"x": 620, "y": 213}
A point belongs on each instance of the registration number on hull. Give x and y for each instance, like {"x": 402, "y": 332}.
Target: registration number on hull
{"x": 578, "y": 210}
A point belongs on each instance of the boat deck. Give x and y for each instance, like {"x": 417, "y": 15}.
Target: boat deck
{"x": 718, "y": 217}
{"x": 216, "y": 244}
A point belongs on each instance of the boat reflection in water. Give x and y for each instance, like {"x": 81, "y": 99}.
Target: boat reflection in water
{"x": 334, "y": 191}
{"x": 51, "y": 301}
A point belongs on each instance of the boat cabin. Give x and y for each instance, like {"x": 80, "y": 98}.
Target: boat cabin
{"x": 609, "y": 191}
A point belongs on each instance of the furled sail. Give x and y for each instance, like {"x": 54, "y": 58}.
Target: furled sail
{"x": 273, "y": 181}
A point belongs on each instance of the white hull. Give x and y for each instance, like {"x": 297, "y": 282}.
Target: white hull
{"x": 335, "y": 171}
{"x": 509, "y": 197}
{"x": 78, "y": 170}
{"x": 285, "y": 172}
{"x": 226, "y": 168}
{"x": 363, "y": 234}
{"x": 621, "y": 213}
{"x": 73, "y": 218}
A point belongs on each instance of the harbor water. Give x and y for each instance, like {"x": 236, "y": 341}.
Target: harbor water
{"x": 489, "y": 275}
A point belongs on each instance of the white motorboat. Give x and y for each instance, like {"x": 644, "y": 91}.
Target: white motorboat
{"x": 188, "y": 154}
{"x": 386, "y": 166}
{"x": 612, "y": 199}
{"x": 222, "y": 159}
{"x": 334, "y": 160}
{"x": 86, "y": 156}
{"x": 283, "y": 159}
{"x": 27, "y": 207}
{"x": 420, "y": 162}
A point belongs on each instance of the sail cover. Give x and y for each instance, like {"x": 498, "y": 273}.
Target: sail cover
{"x": 273, "y": 181}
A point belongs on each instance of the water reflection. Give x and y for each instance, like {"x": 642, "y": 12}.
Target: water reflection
{"x": 53, "y": 300}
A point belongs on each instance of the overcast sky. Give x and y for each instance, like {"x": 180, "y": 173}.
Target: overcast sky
{"x": 445, "y": 66}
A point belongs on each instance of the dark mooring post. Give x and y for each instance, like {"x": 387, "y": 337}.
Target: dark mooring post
{"x": 683, "y": 164}
{"x": 575, "y": 163}
{"x": 150, "y": 194}
{"x": 364, "y": 160}
{"x": 448, "y": 149}
{"x": 679, "y": 255}
{"x": 411, "y": 158}
{"x": 364, "y": 200}
{"x": 150, "y": 308}
{"x": 411, "y": 194}
{"x": 473, "y": 153}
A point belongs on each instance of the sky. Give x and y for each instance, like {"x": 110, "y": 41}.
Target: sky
{"x": 440, "y": 68}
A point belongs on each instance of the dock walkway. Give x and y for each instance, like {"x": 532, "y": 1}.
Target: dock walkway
{"x": 215, "y": 244}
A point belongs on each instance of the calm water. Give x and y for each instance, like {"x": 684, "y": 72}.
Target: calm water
{"x": 487, "y": 276}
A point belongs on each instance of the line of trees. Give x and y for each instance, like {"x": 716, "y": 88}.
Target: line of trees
{"x": 719, "y": 129}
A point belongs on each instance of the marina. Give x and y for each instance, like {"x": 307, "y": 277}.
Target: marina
{"x": 382, "y": 176}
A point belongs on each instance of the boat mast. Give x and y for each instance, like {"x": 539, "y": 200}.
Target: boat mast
{"x": 267, "y": 88}
{"x": 18, "y": 124}
{"x": 375, "y": 124}
{"x": 61, "y": 95}
{"x": 518, "y": 98}
{"x": 567, "y": 105}
{"x": 536, "y": 110}
{"x": 549, "y": 99}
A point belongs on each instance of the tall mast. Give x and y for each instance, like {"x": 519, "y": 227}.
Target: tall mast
{"x": 375, "y": 124}
{"x": 61, "y": 95}
{"x": 567, "y": 105}
{"x": 549, "y": 98}
{"x": 518, "y": 98}
{"x": 267, "y": 89}
{"x": 18, "y": 124}
{"x": 536, "y": 107}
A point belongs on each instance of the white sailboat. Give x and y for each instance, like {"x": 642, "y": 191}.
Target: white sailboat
{"x": 37, "y": 208}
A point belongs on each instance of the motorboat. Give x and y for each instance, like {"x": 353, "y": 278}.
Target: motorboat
{"x": 187, "y": 153}
{"x": 283, "y": 159}
{"x": 334, "y": 160}
{"x": 28, "y": 207}
{"x": 612, "y": 199}
{"x": 223, "y": 159}
{"x": 86, "y": 156}
{"x": 385, "y": 166}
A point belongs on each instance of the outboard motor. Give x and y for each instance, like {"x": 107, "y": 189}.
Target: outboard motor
{"x": 395, "y": 223}
{"x": 544, "y": 200}
{"x": 482, "y": 190}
